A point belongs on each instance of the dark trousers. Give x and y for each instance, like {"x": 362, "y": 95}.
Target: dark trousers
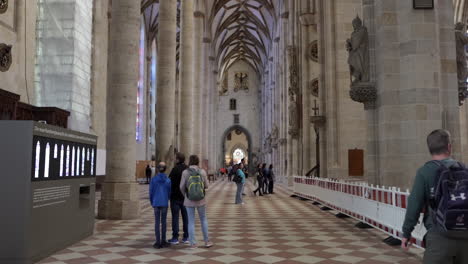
{"x": 148, "y": 178}
{"x": 260, "y": 186}
{"x": 230, "y": 177}
{"x": 443, "y": 250}
{"x": 270, "y": 186}
{"x": 176, "y": 207}
{"x": 266, "y": 183}
{"x": 160, "y": 213}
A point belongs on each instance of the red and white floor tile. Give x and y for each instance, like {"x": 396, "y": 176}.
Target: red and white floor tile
{"x": 270, "y": 229}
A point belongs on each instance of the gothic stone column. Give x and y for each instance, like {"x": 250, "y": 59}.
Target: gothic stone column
{"x": 198, "y": 33}
{"x": 120, "y": 197}
{"x": 166, "y": 80}
{"x": 186, "y": 78}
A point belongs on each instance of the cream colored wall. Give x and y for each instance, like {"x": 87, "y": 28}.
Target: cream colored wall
{"x": 18, "y": 28}
{"x": 248, "y": 107}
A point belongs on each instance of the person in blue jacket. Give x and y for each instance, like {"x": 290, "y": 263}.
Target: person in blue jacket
{"x": 160, "y": 192}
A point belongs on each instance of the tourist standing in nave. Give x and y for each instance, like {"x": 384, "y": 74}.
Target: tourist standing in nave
{"x": 148, "y": 173}
{"x": 447, "y": 240}
{"x": 160, "y": 193}
{"x": 271, "y": 179}
{"x": 177, "y": 201}
{"x": 240, "y": 185}
{"x": 259, "y": 175}
{"x": 266, "y": 181}
{"x": 193, "y": 185}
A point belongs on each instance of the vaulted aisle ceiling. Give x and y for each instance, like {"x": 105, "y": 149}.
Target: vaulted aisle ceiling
{"x": 239, "y": 29}
{"x": 242, "y": 30}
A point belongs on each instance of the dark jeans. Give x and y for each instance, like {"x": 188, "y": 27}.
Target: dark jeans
{"x": 443, "y": 250}
{"x": 265, "y": 185}
{"x": 148, "y": 179}
{"x": 270, "y": 186}
{"x": 260, "y": 186}
{"x": 176, "y": 207}
{"x": 160, "y": 213}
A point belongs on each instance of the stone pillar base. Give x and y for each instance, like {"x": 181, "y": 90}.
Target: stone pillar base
{"x": 119, "y": 201}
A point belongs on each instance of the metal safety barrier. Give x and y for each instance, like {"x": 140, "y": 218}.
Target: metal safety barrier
{"x": 380, "y": 207}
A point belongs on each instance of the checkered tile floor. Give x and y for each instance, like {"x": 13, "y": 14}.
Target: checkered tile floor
{"x": 270, "y": 229}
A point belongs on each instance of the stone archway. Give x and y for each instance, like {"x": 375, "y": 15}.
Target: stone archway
{"x": 248, "y": 147}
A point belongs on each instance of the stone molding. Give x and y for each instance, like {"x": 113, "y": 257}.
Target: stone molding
{"x": 364, "y": 92}
{"x": 308, "y": 19}
{"x": 312, "y": 51}
{"x": 198, "y": 14}
{"x": 285, "y": 15}
{"x": 3, "y": 6}
{"x": 5, "y": 57}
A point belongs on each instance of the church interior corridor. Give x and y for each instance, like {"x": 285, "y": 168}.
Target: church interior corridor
{"x": 329, "y": 115}
{"x": 275, "y": 229}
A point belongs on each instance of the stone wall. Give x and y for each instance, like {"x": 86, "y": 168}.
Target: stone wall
{"x": 18, "y": 28}
{"x": 247, "y": 108}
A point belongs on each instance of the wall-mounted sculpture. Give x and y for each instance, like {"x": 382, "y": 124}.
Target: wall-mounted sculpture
{"x": 5, "y": 57}
{"x": 314, "y": 87}
{"x": 362, "y": 90}
{"x": 312, "y": 51}
{"x": 461, "y": 41}
{"x": 274, "y": 136}
{"x": 3, "y": 6}
{"x": 293, "y": 92}
{"x": 293, "y": 116}
{"x": 224, "y": 86}
{"x": 293, "y": 70}
{"x": 358, "y": 48}
{"x": 241, "y": 80}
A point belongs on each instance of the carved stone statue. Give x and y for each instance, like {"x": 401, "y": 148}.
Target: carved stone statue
{"x": 461, "y": 40}
{"x": 358, "y": 48}
{"x": 241, "y": 81}
{"x": 3, "y": 6}
{"x": 5, "y": 57}
{"x": 293, "y": 118}
{"x": 224, "y": 86}
{"x": 274, "y": 137}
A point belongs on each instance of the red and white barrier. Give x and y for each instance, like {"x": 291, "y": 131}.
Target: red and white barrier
{"x": 380, "y": 207}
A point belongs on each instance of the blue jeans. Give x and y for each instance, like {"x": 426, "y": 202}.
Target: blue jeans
{"x": 160, "y": 213}
{"x": 177, "y": 206}
{"x": 240, "y": 189}
{"x": 191, "y": 225}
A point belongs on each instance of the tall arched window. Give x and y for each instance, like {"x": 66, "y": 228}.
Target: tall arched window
{"x": 73, "y": 162}
{"x": 141, "y": 84}
{"x": 47, "y": 161}
{"x": 152, "y": 99}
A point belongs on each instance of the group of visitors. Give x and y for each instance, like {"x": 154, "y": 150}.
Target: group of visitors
{"x": 265, "y": 179}
{"x": 185, "y": 190}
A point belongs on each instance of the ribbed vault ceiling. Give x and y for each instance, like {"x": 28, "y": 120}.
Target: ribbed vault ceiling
{"x": 241, "y": 30}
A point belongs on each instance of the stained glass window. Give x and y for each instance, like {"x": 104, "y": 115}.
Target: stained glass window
{"x": 141, "y": 85}
{"x": 92, "y": 162}
{"x": 238, "y": 155}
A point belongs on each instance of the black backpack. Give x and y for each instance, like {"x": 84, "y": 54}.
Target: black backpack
{"x": 237, "y": 178}
{"x": 449, "y": 198}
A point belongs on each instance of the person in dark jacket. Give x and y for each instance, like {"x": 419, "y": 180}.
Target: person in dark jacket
{"x": 177, "y": 201}
{"x": 160, "y": 192}
{"x": 259, "y": 174}
{"x": 442, "y": 247}
{"x": 148, "y": 174}
{"x": 266, "y": 181}
{"x": 271, "y": 179}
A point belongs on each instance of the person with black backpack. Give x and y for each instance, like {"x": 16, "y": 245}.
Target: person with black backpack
{"x": 193, "y": 185}
{"x": 441, "y": 191}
